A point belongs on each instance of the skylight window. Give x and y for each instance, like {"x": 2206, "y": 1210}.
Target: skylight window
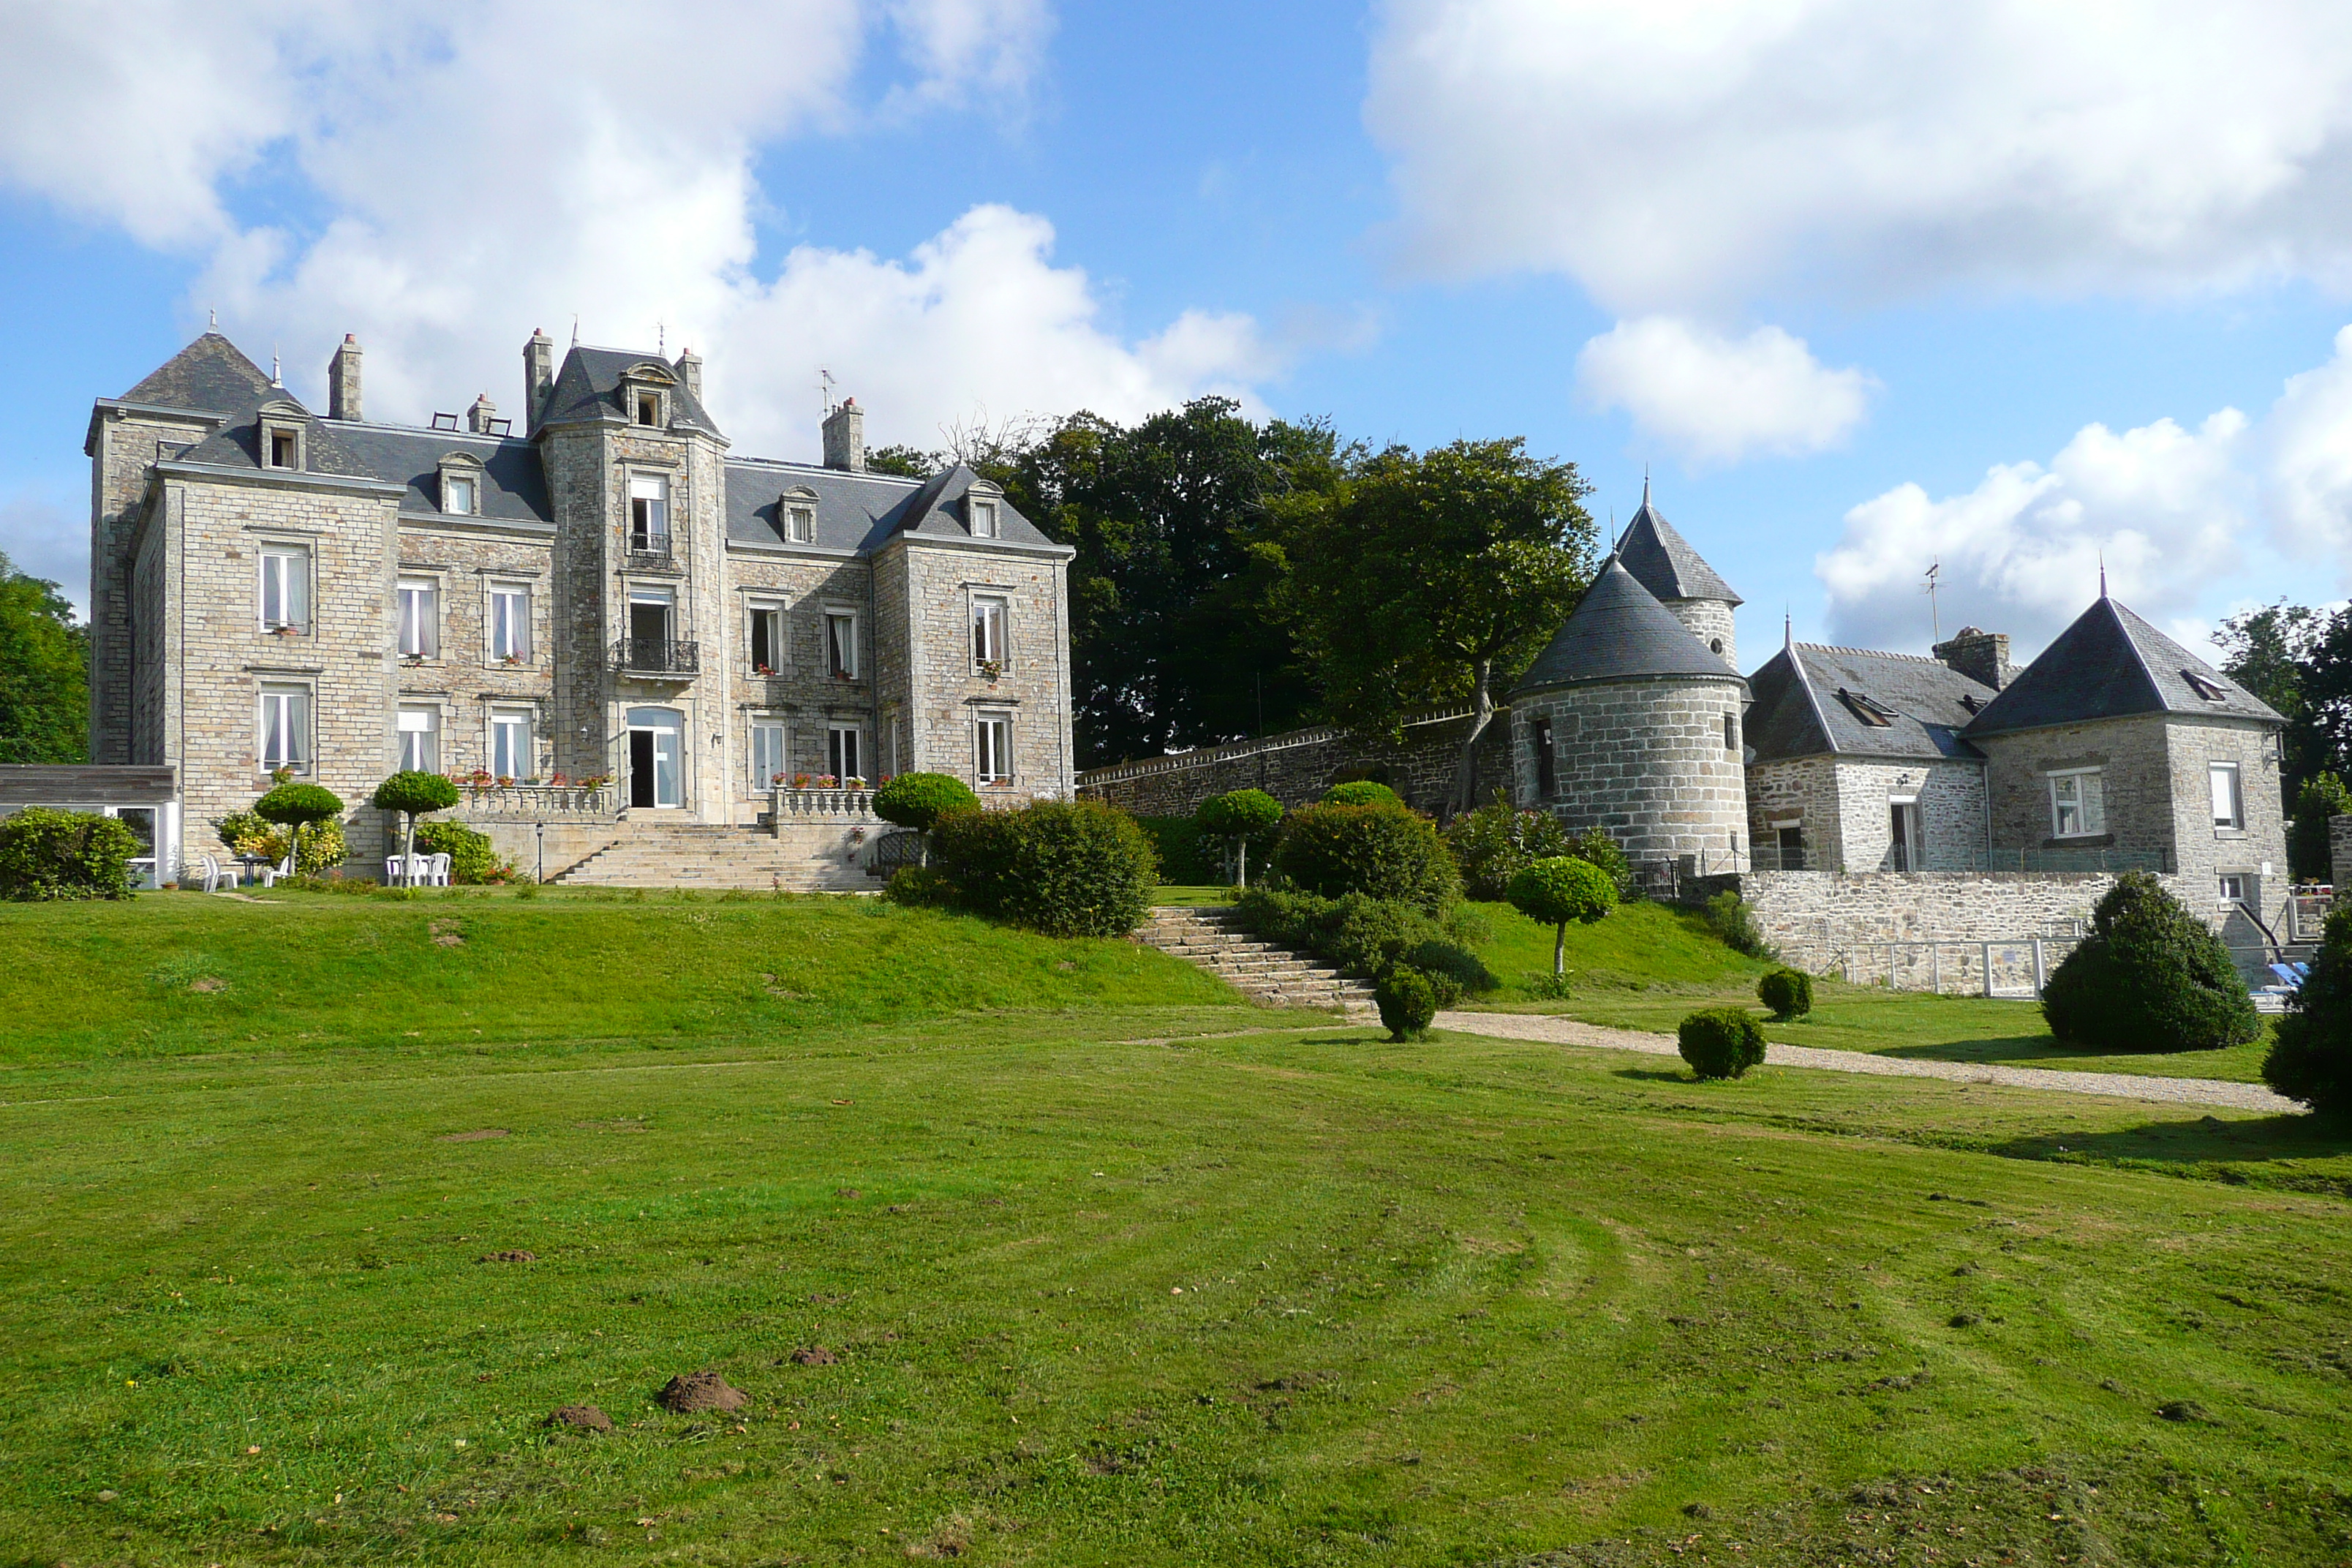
{"x": 2205, "y": 689}
{"x": 1875, "y": 714}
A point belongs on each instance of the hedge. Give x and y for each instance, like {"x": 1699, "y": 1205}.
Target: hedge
{"x": 1368, "y": 937}
{"x": 1381, "y": 851}
{"x": 1063, "y": 868}
{"x": 47, "y": 855}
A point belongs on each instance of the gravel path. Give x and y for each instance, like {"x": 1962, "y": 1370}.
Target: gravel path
{"x": 2120, "y": 1086}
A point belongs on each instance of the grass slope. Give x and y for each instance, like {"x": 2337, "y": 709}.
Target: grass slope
{"x": 170, "y": 973}
{"x": 1266, "y": 1299}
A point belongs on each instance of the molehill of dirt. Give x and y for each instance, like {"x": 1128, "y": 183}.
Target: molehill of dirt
{"x": 700, "y": 1391}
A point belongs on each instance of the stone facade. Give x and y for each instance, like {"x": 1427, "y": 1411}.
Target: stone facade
{"x": 1710, "y": 621}
{"x": 1655, "y": 763}
{"x": 1297, "y": 766}
{"x": 1843, "y": 810}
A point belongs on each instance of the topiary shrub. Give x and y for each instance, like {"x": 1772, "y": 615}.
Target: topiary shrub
{"x": 1407, "y": 1003}
{"x": 1734, "y": 924}
{"x": 412, "y": 794}
{"x": 1558, "y": 890}
{"x": 1595, "y": 847}
{"x": 1720, "y": 1042}
{"x": 1491, "y": 844}
{"x": 473, "y": 859}
{"x": 919, "y": 800}
{"x": 1239, "y": 816}
{"x": 46, "y": 855}
{"x": 919, "y": 887}
{"x": 2310, "y": 1059}
{"x": 1362, "y": 792}
{"x": 2148, "y": 978}
{"x": 295, "y": 807}
{"x": 1063, "y": 868}
{"x": 1381, "y": 851}
{"x": 1787, "y": 992}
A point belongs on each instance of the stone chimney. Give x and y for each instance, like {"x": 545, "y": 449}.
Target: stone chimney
{"x": 343, "y": 380}
{"x": 845, "y": 437}
{"x": 538, "y": 376}
{"x": 1979, "y": 654}
{"x": 478, "y": 418}
{"x": 689, "y": 371}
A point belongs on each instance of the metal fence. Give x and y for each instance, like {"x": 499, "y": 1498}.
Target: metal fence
{"x": 1773, "y": 858}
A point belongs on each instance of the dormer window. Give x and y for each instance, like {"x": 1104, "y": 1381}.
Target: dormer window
{"x": 284, "y": 449}
{"x": 985, "y": 521}
{"x": 461, "y": 485}
{"x": 457, "y": 495}
{"x": 281, "y": 435}
{"x": 649, "y": 408}
{"x": 796, "y": 511}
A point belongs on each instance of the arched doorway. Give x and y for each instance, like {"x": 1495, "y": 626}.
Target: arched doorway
{"x": 656, "y": 754}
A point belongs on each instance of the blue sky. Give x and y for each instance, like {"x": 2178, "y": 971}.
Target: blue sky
{"x": 1864, "y": 286}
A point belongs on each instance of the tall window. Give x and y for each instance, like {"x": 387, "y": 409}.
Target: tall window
{"x": 767, "y": 753}
{"x": 841, "y": 753}
{"x": 992, "y": 748}
{"x": 988, "y": 617}
{"x": 511, "y": 623}
{"x": 420, "y": 738}
{"x": 284, "y": 727}
{"x": 457, "y": 495}
{"x": 984, "y": 523}
{"x": 841, "y": 645}
{"x": 1547, "y": 760}
{"x": 799, "y": 523}
{"x": 649, "y": 513}
{"x": 767, "y": 639}
{"x": 2228, "y": 800}
{"x": 285, "y": 588}
{"x": 1731, "y": 731}
{"x": 510, "y": 742}
{"x": 2078, "y": 804}
{"x": 420, "y": 620}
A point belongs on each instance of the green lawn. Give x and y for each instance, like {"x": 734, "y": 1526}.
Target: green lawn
{"x": 1274, "y": 1298}
{"x": 1647, "y": 966}
{"x": 1191, "y": 897}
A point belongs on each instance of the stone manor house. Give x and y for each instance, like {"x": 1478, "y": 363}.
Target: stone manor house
{"x": 645, "y": 652}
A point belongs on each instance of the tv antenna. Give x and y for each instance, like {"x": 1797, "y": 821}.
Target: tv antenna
{"x": 1935, "y": 619}
{"x": 824, "y": 390}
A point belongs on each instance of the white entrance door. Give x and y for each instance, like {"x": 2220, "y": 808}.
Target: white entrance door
{"x": 655, "y": 776}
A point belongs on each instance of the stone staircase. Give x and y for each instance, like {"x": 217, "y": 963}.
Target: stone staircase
{"x": 1269, "y": 975}
{"x": 665, "y": 853}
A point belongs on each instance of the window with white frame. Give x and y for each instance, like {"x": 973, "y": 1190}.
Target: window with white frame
{"x": 285, "y": 587}
{"x": 420, "y": 618}
{"x": 510, "y": 752}
{"x": 986, "y": 522}
{"x": 842, "y": 752}
{"x": 800, "y": 521}
{"x": 767, "y": 753}
{"x": 420, "y": 737}
{"x": 282, "y": 727}
{"x": 2233, "y": 888}
{"x": 992, "y": 748}
{"x": 649, "y": 513}
{"x": 2078, "y": 803}
{"x": 511, "y": 623}
{"x": 765, "y": 641}
{"x": 841, "y": 644}
{"x": 988, "y": 614}
{"x": 459, "y": 495}
{"x": 2228, "y": 796}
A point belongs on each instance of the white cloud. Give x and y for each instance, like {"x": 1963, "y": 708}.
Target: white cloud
{"x": 1711, "y": 399}
{"x": 42, "y": 538}
{"x": 2165, "y": 507}
{"x": 1682, "y": 153}
{"x": 480, "y": 172}
{"x": 2308, "y": 484}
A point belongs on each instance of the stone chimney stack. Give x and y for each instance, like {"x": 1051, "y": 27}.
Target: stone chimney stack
{"x": 343, "y": 380}
{"x": 478, "y": 418}
{"x": 689, "y": 371}
{"x": 538, "y": 376}
{"x": 1979, "y": 654}
{"x": 845, "y": 437}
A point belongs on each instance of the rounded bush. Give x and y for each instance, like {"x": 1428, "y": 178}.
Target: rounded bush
{"x": 1362, "y": 792}
{"x": 472, "y": 858}
{"x": 920, "y": 800}
{"x": 2310, "y": 1059}
{"x": 1063, "y": 868}
{"x": 1720, "y": 1042}
{"x": 412, "y": 793}
{"x": 323, "y": 846}
{"x": 56, "y": 855}
{"x": 1558, "y": 889}
{"x": 1407, "y": 1003}
{"x": 1382, "y": 851}
{"x": 2148, "y": 978}
{"x": 298, "y": 806}
{"x": 1241, "y": 813}
{"x": 919, "y": 887}
{"x": 1491, "y": 844}
{"x": 1787, "y": 992}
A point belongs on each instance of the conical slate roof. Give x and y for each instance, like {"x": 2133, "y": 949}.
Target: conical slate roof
{"x": 1663, "y": 561}
{"x": 209, "y": 375}
{"x": 1620, "y": 632}
{"x": 2111, "y": 664}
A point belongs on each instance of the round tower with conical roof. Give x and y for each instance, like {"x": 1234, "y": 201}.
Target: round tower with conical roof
{"x": 1628, "y": 722}
{"x": 1662, "y": 560}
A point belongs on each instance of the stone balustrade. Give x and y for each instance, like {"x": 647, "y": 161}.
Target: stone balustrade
{"x": 535, "y": 802}
{"x": 789, "y": 805}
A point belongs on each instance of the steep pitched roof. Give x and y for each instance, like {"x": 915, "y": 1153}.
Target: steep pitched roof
{"x": 209, "y": 375}
{"x": 588, "y": 387}
{"x": 859, "y": 510}
{"x": 1663, "y": 561}
{"x": 2111, "y": 664}
{"x": 1620, "y": 632}
{"x": 1812, "y": 701}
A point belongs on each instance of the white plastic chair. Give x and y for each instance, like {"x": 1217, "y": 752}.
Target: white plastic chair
{"x": 394, "y": 876}
{"x": 269, "y": 874}
{"x": 436, "y": 870}
{"x": 215, "y": 875}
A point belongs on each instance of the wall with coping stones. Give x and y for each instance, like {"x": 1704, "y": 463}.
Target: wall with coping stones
{"x": 1642, "y": 760}
{"x": 1296, "y": 767}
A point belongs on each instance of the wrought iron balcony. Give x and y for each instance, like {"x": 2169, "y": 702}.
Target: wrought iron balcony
{"x": 657, "y": 656}
{"x": 651, "y": 552}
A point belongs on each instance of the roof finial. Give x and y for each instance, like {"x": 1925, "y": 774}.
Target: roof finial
{"x": 275, "y": 378}
{"x": 212, "y": 320}
{"x": 2103, "y": 573}
{"x": 661, "y": 339}
{"x": 1788, "y": 628}
{"x": 1645, "y": 486}
{"x": 575, "y": 329}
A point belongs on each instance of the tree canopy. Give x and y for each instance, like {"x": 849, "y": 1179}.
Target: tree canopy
{"x": 44, "y": 673}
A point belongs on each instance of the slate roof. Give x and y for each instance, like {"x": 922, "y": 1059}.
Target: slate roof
{"x": 1620, "y": 632}
{"x": 859, "y": 511}
{"x": 1812, "y": 700}
{"x": 1663, "y": 561}
{"x": 514, "y": 486}
{"x": 2108, "y": 665}
{"x": 210, "y": 375}
{"x": 588, "y": 388}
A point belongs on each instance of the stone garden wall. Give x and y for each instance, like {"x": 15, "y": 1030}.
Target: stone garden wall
{"x": 1297, "y": 766}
